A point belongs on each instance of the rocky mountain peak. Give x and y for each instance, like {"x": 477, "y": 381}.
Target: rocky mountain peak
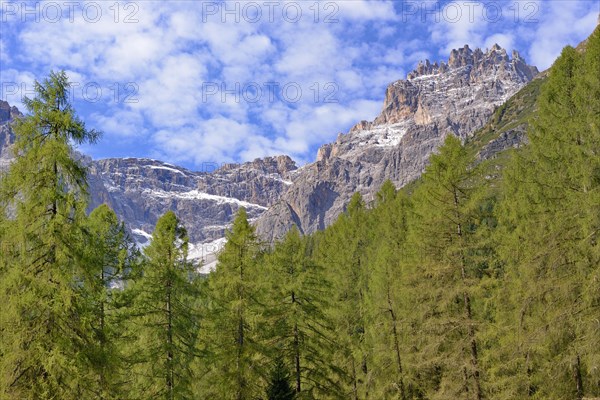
{"x": 467, "y": 73}
{"x": 281, "y": 165}
{"x": 7, "y": 112}
{"x": 455, "y": 97}
{"x": 479, "y": 62}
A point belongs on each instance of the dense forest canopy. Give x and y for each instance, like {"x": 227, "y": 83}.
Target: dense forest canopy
{"x": 479, "y": 281}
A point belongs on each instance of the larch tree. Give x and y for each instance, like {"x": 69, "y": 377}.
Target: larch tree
{"x": 587, "y": 100}
{"x": 388, "y": 296}
{"x": 341, "y": 252}
{"x": 295, "y": 302}
{"x": 42, "y": 336}
{"x": 550, "y": 213}
{"x": 445, "y": 239}
{"x": 110, "y": 257}
{"x": 237, "y": 360}
{"x": 165, "y": 320}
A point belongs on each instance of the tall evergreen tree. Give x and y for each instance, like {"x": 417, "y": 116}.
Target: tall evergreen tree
{"x": 550, "y": 218}
{"x": 110, "y": 257}
{"x": 342, "y": 254}
{"x": 42, "y": 336}
{"x": 166, "y": 320}
{"x": 296, "y": 299}
{"x": 449, "y": 273}
{"x": 237, "y": 359}
{"x": 587, "y": 99}
{"x": 388, "y": 303}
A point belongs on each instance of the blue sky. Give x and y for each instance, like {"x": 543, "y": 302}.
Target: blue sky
{"x": 199, "y": 82}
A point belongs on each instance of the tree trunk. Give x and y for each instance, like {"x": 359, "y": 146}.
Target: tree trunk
{"x": 396, "y": 347}
{"x": 297, "y": 358}
{"x": 297, "y": 351}
{"x": 354, "y": 382}
{"x": 578, "y": 378}
{"x": 170, "y": 372}
{"x": 240, "y": 333}
{"x": 467, "y": 303}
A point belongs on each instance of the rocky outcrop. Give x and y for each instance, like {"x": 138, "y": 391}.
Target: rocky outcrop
{"x": 456, "y": 97}
{"x": 7, "y": 114}
{"x": 141, "y": 190}
{"x": 506, "y": 140}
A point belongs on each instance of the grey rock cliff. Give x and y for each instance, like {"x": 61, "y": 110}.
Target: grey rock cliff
{"x": 7, "y": 114}
{"x": 141, "y": 190}
{"x": 456, "y": 97}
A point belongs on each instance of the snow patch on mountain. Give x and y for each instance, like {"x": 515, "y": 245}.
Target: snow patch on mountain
{"x": 206, "y": 254}
{"x": 141, "y": 237}
{"x": 167, "y": 169}
{"x": 198, "y": 195}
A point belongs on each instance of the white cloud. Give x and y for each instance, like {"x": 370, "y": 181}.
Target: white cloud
{"x": 4, "y": 55}
{"x": 562, "y": 22}
{"x": 130, "y": 56}
{"x": 171, "y": 95}
{"x": 308, "y": 54}
{"x": 362, "y": 10}
{"x": 218, "y": 139}
{"x": 15, "y": 86}
{"x": 120, "y": 125}
{"x": 349, "y": 80}
{"x": 457, "y": 24}
{"x": 172, "y": 54}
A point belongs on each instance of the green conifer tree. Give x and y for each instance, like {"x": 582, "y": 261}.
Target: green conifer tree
{"x": 166, "y": 320}
{"x": 237, "y": 360}
{"x": 449, "y": 273}
{"x": 42, "y": 335}
{"x": 279, "y": 384}
{"x": 295, "y": 301}
{"x": 550, "y": 218}
{"x": 342, "y": 253}
{"x": 388, "y": 302}
{"x": 110, "y": 257}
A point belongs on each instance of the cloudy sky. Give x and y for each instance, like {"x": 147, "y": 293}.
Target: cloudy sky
{"x": 195, "y": 82}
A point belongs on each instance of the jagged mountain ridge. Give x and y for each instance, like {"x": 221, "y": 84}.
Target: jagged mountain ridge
{"x": 457, "y": 97}
{"x": 141, "y": 190}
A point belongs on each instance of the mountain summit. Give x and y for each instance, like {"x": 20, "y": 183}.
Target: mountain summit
{"x": 456, "y": 97}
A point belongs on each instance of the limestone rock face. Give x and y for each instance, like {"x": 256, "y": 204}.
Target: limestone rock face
{"x": 456, "y": 97}
{"x": 7, "y": 114}
{"x": 141, "y": 190}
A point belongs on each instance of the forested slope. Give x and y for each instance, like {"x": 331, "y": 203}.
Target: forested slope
{"x": 479, "y": 281}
